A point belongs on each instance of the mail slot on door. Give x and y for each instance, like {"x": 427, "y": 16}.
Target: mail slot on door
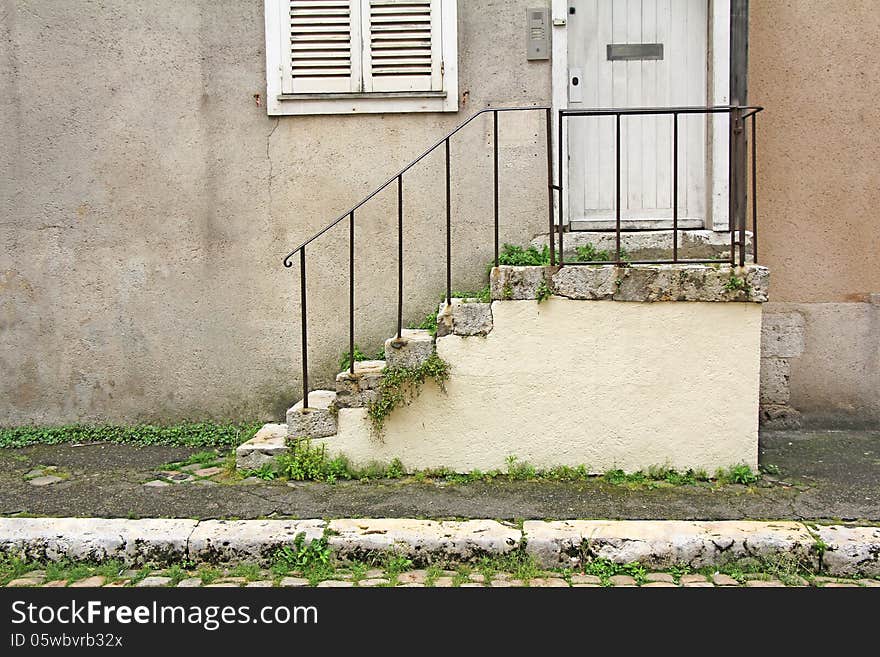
{"x": 634, "y": 51}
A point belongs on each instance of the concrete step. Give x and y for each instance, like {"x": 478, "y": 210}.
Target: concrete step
{"x": 651, "y": 244}
{"x": 354, "y": 390}
{"x": 318, "y": 420}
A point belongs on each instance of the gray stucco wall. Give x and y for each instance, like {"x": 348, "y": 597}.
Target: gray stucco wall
{"x": 147, "y": 202}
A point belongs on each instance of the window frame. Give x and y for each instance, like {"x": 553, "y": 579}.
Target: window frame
{"x": 302, "y": 104}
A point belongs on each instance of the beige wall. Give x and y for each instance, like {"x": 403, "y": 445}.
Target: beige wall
{"x": 814, "y": 66}
{"x": 147, "y": 201}
{"x": 672, "y": 383}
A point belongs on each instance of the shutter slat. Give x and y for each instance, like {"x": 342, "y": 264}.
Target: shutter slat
{"x": 320, "y": 45}
{"x": 403, "y": 54}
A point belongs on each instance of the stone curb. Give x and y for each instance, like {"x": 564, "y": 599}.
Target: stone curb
{"x": 839, "y": 550}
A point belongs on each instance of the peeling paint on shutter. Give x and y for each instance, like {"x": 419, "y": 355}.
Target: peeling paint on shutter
{"x": 402, "y": 45}
{"x": 323, "y": 47}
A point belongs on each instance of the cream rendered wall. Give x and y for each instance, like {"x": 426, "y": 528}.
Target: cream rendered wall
{"x": 607, "y": 384}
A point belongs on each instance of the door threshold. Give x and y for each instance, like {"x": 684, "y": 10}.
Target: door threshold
{"x": 634, "y": 224}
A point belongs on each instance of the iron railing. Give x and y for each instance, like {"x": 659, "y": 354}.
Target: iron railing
{"x": 738, "y": 115}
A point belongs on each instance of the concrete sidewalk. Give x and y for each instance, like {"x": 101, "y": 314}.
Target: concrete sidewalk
{"x": 824, "y": 475}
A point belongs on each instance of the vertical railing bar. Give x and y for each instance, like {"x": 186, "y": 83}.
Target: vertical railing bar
{"x": 561, "y": 195}
{"x": 549, "y": 131}
{"x": 399, "y": 256}
{"x": 449, "y": 230}
{"x": 351, "y": 292}
{"x": 304, "y": 317}
{"x": 741, "y": 155}
{"x": 754, "y": 189}
{"x": 617, "y": 185}
{"x": 675, "y": 187}
{"x": 495, "y": 170}
{"x": 730, "y": 191}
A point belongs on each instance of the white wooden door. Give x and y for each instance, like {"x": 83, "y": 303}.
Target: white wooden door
{"x": 599, "y": 78}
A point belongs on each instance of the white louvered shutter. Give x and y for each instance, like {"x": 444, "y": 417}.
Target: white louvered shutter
{"x": 321, "y": 46}
{"x": 402, "y": 45}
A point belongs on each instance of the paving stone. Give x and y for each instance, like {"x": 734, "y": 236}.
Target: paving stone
{"x": 586, "y": 586}
{"x": 259, "y": 584}
{"x": 411, "y": 585}
{"x": 412, "y": 577}
{"x": 443, "y": 582}
{"x": 208, "y": 472}
{"x": 586, "y": 579}
{"x": 189, "y": 583}
{"x": 660, "y": 577}
{"x": 622, "y": 580}
{"x": 410, "y": 350}
{"x": 46, "y": 480}
{"x": 157, "y": 483}
{"x": 232, "y": 580}
{"x": 839, "y": 585}
{"x": 471, "y": 585}
{"x": 154, "y": 580}
{"x": 507, "y": 583}
{"x": 690, "y": 579}
{"x": 191, "y": 467}
{"x": 41, "y": 574}
{"x": 56, "y": 584}
{"x": 697, "y": 585}
{"x": 764, "y": 583}
{"x": 316, "y": 421}
{"x": 374, "y": 581}
{"x": 118, "y": 584}
{"x": 477, "y": 577}
{"x": 502, "y": 576}
{"x": 130, "y": 573}
{"x": 546, "y": 582}
{"x": 26, "y": 581}
{"x": 374, "y": 572}
{"x": 294, "y": 582}
{"x": 721, "y": 579}
{"x": 34, "y": 473}
{"x": 334, "y": 584}
{"x": 223, "y": 585}
{"x": 870, "y": 583}
{"x": 96, "y": 580}
{"x": 659, "y": 585}
{"x": 464, "y": 317}
{"x": 268, "y": 443}
{"x": 362, "y": 387}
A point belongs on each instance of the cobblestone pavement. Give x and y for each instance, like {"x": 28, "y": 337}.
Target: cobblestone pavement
{"x": 436, "y": 578}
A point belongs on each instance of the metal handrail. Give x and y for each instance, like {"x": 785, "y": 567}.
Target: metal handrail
{"x": 287, "y": 261}
{"x": 738, "y": 115}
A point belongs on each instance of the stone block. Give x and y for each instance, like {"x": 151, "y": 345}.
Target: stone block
{"x": 518, "y": 283}
{"x": 775, "y": 380}
{"x": 318, "y": 420}
{"x": 360, "y": 388}
{"x": 666, "y": 544}
{"x": 410, "y": 350}
{"x": 851, "y": 551}
{"x": 780, "y": 416}
{"x": 653, "y": 282}
{"x": 686, "y": 282}
{"x": 782, "y": 335}
{"x": 586, "y": 282}
{"x": 268, "y": 443}
{"x": 464, "y": 317}
{"x": 220, "y": 541}
{"x": 423, "y": 541}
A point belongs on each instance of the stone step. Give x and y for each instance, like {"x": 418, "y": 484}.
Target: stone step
{"x": 410, "y": 350}
{"x": 318, "y": 420}
{"x": 354, "y": 390}
{"x": 651, "y": 244}
{"x": 464, "y": 317}
{"x": 268, "y": 443}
